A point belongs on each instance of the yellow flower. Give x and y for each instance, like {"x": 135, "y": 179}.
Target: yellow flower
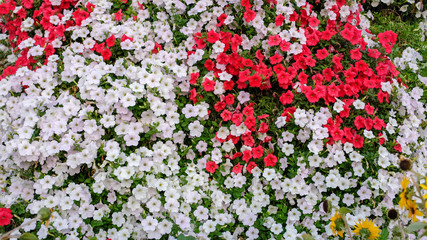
{"x": 403, "y": 199}
{"x": 413, "y": 210}
{"x": 424, "y": 186}
{"x": 337, "y": 225}
{"x": 367, "y": 229}
{"x": 405, "y": 182}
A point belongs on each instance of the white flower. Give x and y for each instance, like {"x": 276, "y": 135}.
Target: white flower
{"x": 280, "y": 122}
{"x": 243, "y": 97}
{"x": 209, "y": 226}
{"x": 339, "y": 106}
{"x": 269, "y": 174}
{"x": 196, "y": 129}
{"x": 358, "y": 104}
{"x": 223, "y": 133}
{"x": 149, "y": 224}
{"x": 228, "y": 145}
{"x": 288, "y": 149}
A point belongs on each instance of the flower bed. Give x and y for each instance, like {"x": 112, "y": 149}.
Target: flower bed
{"x": 207, "y": 120}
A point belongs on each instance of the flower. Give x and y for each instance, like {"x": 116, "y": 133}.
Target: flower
{"x": 211, "y": 166}
{"x": 367, "y": 230}
{"x": 403, "y": 199}
{"x": 413, "y": 210}
{"x": 5, "y": 216}
{"x": 337, "y": 225}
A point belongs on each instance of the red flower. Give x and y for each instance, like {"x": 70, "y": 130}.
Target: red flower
{"x": 328, "y": 74}
{"x": 355, "y": 54}
{"x": 221, "y": 19}
{"x": 263, "y": 128}
{"x": 247, "y": 155}
{"x": 358, "y": 141}
{"x": 379, "y": 123}
{"x": 250, "y": 122}
{"x": 274, "y": 40}
{"x": 106, "y": 54}
{"x": 235, "y": 41}
{"x": 156, "y": 49}
{"x": 249, "y": 15}
{"x": 228, "y": 85}
{"x": 193, "y": 95}
{"x": 248, "y": 110}
{"x": 276, "y": 58}
{"x": 118, "y": 15}
{"x": 322, "y": 53}
{"x": 312, "y": 39}
{"x": 279, "y": 20}
{"x": 194, "y": 77}
{"x": 90, "y": 7}
{"x": 245, "y": 3}
{"x": 369, "y": 123}
{"x": 302, "y": 77}
{"x": 257, "y": 152}
{"x": 311, "y": 95}
{"x": 237, "y": 119}
{"x": 336, "y": 133}
{"x": 209, "y": 65}
{"x": 374, "y": 53}
{"x": 359, "y": 122}
{"x": 294, "y": 17}
{"x": 381, "y": 138}
{"x": 327, "y": 34}
{"x": 211, "y": 166}
{"x": 382, "y": 95}
{"x": 229, "y": 99}
{"x": 287, "y": 97}
{"x": 208, "y": 85}
{"x": 110, "y": 41}
{"x": 398, "y": 147}
{"x": 226, "y": 115}
{"x": 5, "y": 216}
{"x": 284, "y": 46}
{"x": 369, "y": 109}
{"x": 270, "y": 160}
{"x": 212, "y": 36}
{"x": 387, "y": 39}
{"x": 219, "y": 106}
{"x": 79, "y": 16}
{"x": 238, "y": 168}
{"x": 250, "y": 167}
{"x": 313, "y": 22}
{"x": 333, "y": 90}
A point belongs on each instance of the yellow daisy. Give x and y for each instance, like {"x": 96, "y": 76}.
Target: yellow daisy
{"x": 424, "y": 186}
{"x": 337, "y": 225}
{"x": 413, "y": 210}
{"x": 367, "y": 229}
{"x": 403, "y": 199}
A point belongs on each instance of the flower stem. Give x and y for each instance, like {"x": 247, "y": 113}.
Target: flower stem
{"x": 7, "y": 235}
{"x": 420, "y": 196}
{"x": 347, "y": 227}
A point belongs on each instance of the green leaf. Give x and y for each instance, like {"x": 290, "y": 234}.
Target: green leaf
{"x": 416, "y": 226}
{"x": 182, "y": 237}
{"x": 343, "y": 211}
{"x": 96, "y": 223}
{"x": 28, "y": 236}
{"x": 384, "y": 234}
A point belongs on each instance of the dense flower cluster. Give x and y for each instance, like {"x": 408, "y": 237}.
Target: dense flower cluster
{"x": 225, "y": 119}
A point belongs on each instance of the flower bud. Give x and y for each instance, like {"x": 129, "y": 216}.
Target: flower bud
{"x": 327, "y": 206}
{"x": 405, "y": 164}
{"x": 28, "y": 236}
{"x": 44, "y": 214}
{"x": 392, "y": 214}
